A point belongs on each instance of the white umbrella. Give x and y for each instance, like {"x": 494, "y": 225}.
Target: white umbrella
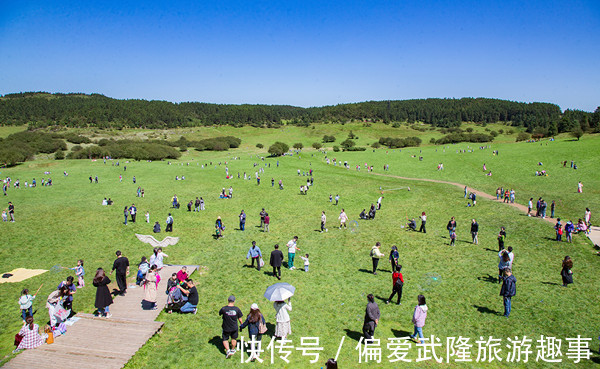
{"x": 280, "y": 291}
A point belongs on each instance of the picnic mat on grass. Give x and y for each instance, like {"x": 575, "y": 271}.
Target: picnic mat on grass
{"x": 21, "y": 274}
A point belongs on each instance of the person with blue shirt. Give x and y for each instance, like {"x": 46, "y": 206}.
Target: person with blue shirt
{"x": 242, "y": 221}
{"x": 255, "y": 254}
{"x": 508, "y": 290}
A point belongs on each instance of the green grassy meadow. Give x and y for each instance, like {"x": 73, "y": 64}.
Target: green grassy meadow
{"x": 60, "y": 224}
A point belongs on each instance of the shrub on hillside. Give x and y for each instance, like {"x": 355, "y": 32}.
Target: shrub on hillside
{"x": 259, "y": 145}
{"x": 522, "y": 136}
{"x": 394, "y": 143}
{"x": 278, "y": 148}
{"x": 464, "y": 137}
{"x": 336, "y": 148}
{"x": 316, "y": 145}
{"x": 327, "y": 138}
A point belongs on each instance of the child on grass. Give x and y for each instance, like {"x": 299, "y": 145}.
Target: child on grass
{"x": 306, "y": 263}
{"x": 79, "y": 272}
{"x": 566, "y": 273}
{"x": 452, "y": 237}
{"x": 26, "y": 303}
{"x": 4, "y": 216}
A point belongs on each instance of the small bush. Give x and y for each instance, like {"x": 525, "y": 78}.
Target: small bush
{"x": 470, "y": 130}
{"x": 494, "y": 134}
{"x": 278, "y": 148}
{"x": 259, "y": 145}
{"x": 376, "y": 145}
{"x": 59, "y": 155}
{"x": 522, "y": 136}
{"x": 298, "y": 146}
{"x": 316, "y": 145}
{"x": 336, "y": 148}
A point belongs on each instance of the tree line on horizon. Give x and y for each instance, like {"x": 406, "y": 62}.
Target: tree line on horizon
{"x": 41, "y": 109}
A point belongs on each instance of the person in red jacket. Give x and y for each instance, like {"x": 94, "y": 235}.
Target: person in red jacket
{"x": 398, "y": 281}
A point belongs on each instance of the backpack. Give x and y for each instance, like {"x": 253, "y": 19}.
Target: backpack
{"x": 399, "y": 282}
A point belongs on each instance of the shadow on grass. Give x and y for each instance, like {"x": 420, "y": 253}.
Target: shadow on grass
{"x": 218, "y": 343}
{"x": 366, "y": 271}
{"x": 551, "y": 283}
{"x": 400, "y": 333}
{"x": 353, "y": 334}
{"x": 486, "y": 310}
{"x": 488, "y": 278}
{"x": 488, "y": 249}
{"x": 380, "y": 298}
{"x": 270, "y": 329}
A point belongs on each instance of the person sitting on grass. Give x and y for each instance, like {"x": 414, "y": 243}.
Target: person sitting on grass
{"x": 412, "y": 225}
{"x": 156, "y": 228}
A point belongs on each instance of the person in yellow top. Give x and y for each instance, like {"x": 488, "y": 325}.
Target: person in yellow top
{"x": 375, "y": 255}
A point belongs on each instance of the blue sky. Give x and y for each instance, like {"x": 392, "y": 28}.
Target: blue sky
{"x": 305, "y": 53}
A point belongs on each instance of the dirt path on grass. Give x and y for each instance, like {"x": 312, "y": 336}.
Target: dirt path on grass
{"x": 594, "y": 234}
{"x": 481, "y": 194}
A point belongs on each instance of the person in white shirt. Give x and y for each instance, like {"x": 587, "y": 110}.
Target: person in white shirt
{"x": 379, "y": 202}
{"x": 292, "y": 247}
{"x": 323, "y": 221}
{"x": 306, "y": 262}
{"x": 343, "y": 219}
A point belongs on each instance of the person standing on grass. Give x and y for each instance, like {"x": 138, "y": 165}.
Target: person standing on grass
{"x": 508, "y": 290}
{"x": 579, "y": 187}
{"x": 372, "y": 316}
{"x": 126, "y": 214}
{"x": 397, "y": 284}
{"x": 552, "y": 207}
{"x": 262, "y": 217}
{"x": 537, "y": 207}
{"x": 501, "y": 238}
{"x": 418, "y": 319}
{"x": 254, "y": 321}
{"x": 11, "y": 211}
{"x": 121, "y": 265}
{"x": 242, "y": 220}
{"x": 337, "y": 199}
{"x": 201, "y": 203}
{"x": 505, "y": 262}
{"x": 394, "y": 256}
{"x": 451, "y": 226}
{"x": 276, "y": 261}
{"x": 197, "y": 204}
{"x": 566, "y": 273}
{"x": 379, "y": 202}
{"x": 292, "y": 247}
{"x": 559, "y": 230}
{"x": 231, "y": 315}
{"x": 543, "y": 207}
{"x": 343, "y": 219}
{"x": 453, "y": 237}
{"x": 26, "y": 303}
{"x": 530, "y": 206}
{"x": 467, "y": 190}
{"x": 323, "y": 221}
{"x": 283, "y": 327}
{"x": 103, "y": 297}
{"x": 375, "y": 255}
{"x": 267, "y": 222}
{"x": 423, "y": 222}
{"x": 170, "y": 222}
{"x": 569, "y": 229}
{"x": 474, "y": 231}
{"x": 255, "y": 254}
{"x": 133, "y": 212}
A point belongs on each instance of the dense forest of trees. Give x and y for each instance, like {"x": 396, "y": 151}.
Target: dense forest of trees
{"x": 39, "y": 109}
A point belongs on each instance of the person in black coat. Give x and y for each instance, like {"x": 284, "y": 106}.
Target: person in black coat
{"x": 156, "y": 228}
{"x": 121, "y": 267}
{"x": 474, "y": 231}
{"x": 103, "y": 297}
{"x": 508, "y": 290}
{"x": 451, "y": 225}
{"x": 276, "y": 260}
{"x": 372, "y": 315}
{"x": 566, "y": 273}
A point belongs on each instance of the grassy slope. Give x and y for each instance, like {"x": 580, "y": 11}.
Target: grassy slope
{"x": 66, "y": 222}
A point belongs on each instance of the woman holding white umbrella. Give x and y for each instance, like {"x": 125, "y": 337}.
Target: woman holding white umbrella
{"x": 278, "y": 293}
{"x": 283, "y": 327}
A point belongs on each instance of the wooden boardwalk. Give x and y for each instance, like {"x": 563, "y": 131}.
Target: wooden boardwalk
{"x": 94, "y": 342}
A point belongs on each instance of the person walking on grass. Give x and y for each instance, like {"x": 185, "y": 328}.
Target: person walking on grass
{"x": 423, "y": 221}
{"x": 262, "y": 217}
{"x": 397, "y": 284}
{"x": 474, "y": 231}
{"x": 501, "y": 238}
{"x": 126, "y": 214}
{"x": 559, "y": 230}
{"x": 323, "y": 221}
{"x": 255, "y": 254}
{"x": 372, "y": 315}
{"x": 255, "y": 321}
{"x": 375, "y": 255}
{"x": 170, "y": 222}
{"x": 569, "y": 229}
{"x": 231, "y": 315}
{"x": 552, "y": 207}
{"x": 530, "y": 206}
{"x": 566, "y": 273}
{"x": 11, "y": 212}
{"x": 276, "y": 261}
{"x": 508, "y": 290}
{"x": 418, "y": 319}
{"x": 292, "y": 247}
{"x": 343, "y": 219}
{"x": 337, "y": 199}
{"x": 306, "y": 262}
{"x": 394, "y": 256}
